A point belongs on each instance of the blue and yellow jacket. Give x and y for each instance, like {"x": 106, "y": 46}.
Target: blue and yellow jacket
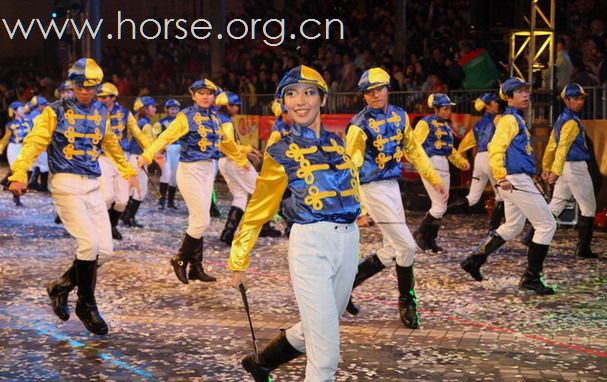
{"x": 480, "y": 135}
{"x": 279, "y": 130}
{"x": 227, "y": 126}
{"x": 74, "y": 136}
{"x": 567, "y": 143}
{"x": 33, "y": 114}
{"x": 377, "y": 140}
{"x": 510, "y": 150}
{"x": 162, "y": 124}
{"x": 126, "y": 129}
{"x": 145, "y": 126}
{"x": 16, "y": 130}
{"x": 318, "y": 180}
{"x": 436, "y": 138}
{"x": 202, "y": 137}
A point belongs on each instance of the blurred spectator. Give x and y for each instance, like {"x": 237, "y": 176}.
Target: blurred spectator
{"x": 562, "y": 66}
{"x": 479, "y": 69}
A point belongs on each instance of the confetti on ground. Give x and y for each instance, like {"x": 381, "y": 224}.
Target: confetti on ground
{"x": 162, "y": 330}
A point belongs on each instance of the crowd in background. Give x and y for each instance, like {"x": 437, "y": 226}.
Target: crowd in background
{"x": 438, "y": 39}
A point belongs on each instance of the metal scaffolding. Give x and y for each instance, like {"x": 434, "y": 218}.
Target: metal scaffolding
{"x": 525, "y": 54}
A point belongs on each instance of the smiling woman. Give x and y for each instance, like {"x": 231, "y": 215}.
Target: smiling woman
{"x": 309, "y": 172}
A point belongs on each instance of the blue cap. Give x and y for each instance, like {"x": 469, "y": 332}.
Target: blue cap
{"x": 12, "y": 108}
{"x": 439, "y": 100}
{"x": 484, "y": 100}
{"x": 510, "y": 85}
{"x": 572, "y": 90}
{"x": 144, "y": 101}
{"x": 204, "y": 84}
{"x": 372, "y": 79}
{"x": 171, "y": 103}
{"x": 38, "y": 101}
{"x": 86, "y": 73}
{"x": 227, "y": 98}
{"x": 301, "y": 75}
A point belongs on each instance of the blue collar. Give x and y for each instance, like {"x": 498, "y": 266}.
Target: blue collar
{"x": 514, "y": 110}
{"x": 306, "y": 132}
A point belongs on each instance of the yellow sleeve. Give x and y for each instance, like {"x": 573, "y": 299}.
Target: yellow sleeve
{"x": 421, "y": 131}
{"x": 228, "y": 145}
{"x": 144, "y": 140}
{"x": 468, "y": 142}
{"x": 458, "y": 159}
{"x": 34, "y": 143}
{"x": 5, "y": 139}
{"x": 177, "y": 129}
{"x": 418, "y": 157}
{"x": 148, "y": 131}
{"x": 271, "y": 185}
{"x": 505, "y": 131}
{"x": 549, "y": 153}
{"x": 355, "y": 145}
{"x": 245, "y": 149}
{"x": 113, "y": 151}
{"x": 156, "y": 129}
{"x": 274, "y": 137}
{"x": 569, "y": 131}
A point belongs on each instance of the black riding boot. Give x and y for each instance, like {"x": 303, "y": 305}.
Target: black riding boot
{"x": 370, "y": 266}
{"x": 407, "y": 303}
{"x": 128, "y": 217}
{"x": 196, "y": 270}
{"x": 585, "y": 228}
{"x": 17, "y": 200}
{"x": 472, "y": 264}
{"x": 278, "y": 352}
{"x": 433, "y": 233}
{"x": 268, "y": 231}
{"x": 58, "y": 290}
{"x": 496, "y": 216}
{"x": 461, "y": 205}
{"x": 180, "y": 261}
{"x": 532, "y": 278}
{"x": 234, "y": 216}
{"x": 44, "y": 181}
{"x": 114, "y": 217}
{"x": 32, "y": 180}
{"x": 4, "y": 181}
{"x": 422, "y": 234}
{"x": 163, "y": 195}
{"x": 172, "y": 191}
{"x": 86, "y": 307}
{"x": 528, "y": 235}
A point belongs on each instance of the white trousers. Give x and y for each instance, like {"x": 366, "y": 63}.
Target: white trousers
{"x": 526, "y": 203}
{"x": 12, "y": 151}
{"x": 439, "y": 202}
{"x": 142, "y": 178}
{"x": 195, "y": 181}
{"x": 384, "y": 204}
{"x": 114, "y": 187}
{"x": 575, "y": 181}
{"x": 323, "y": 259}
{"x": 42, "y": 161}
{"x": 80, "y": 205}
{"x": 480, "y": 176}
{"x": 241, "y": 182}
{"x": 169, "y": 170}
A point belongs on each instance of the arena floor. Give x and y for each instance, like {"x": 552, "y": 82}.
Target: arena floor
{"x": 162, "y": 330}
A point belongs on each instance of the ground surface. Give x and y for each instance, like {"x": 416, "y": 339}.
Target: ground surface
{"x": 164, "y": 330}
